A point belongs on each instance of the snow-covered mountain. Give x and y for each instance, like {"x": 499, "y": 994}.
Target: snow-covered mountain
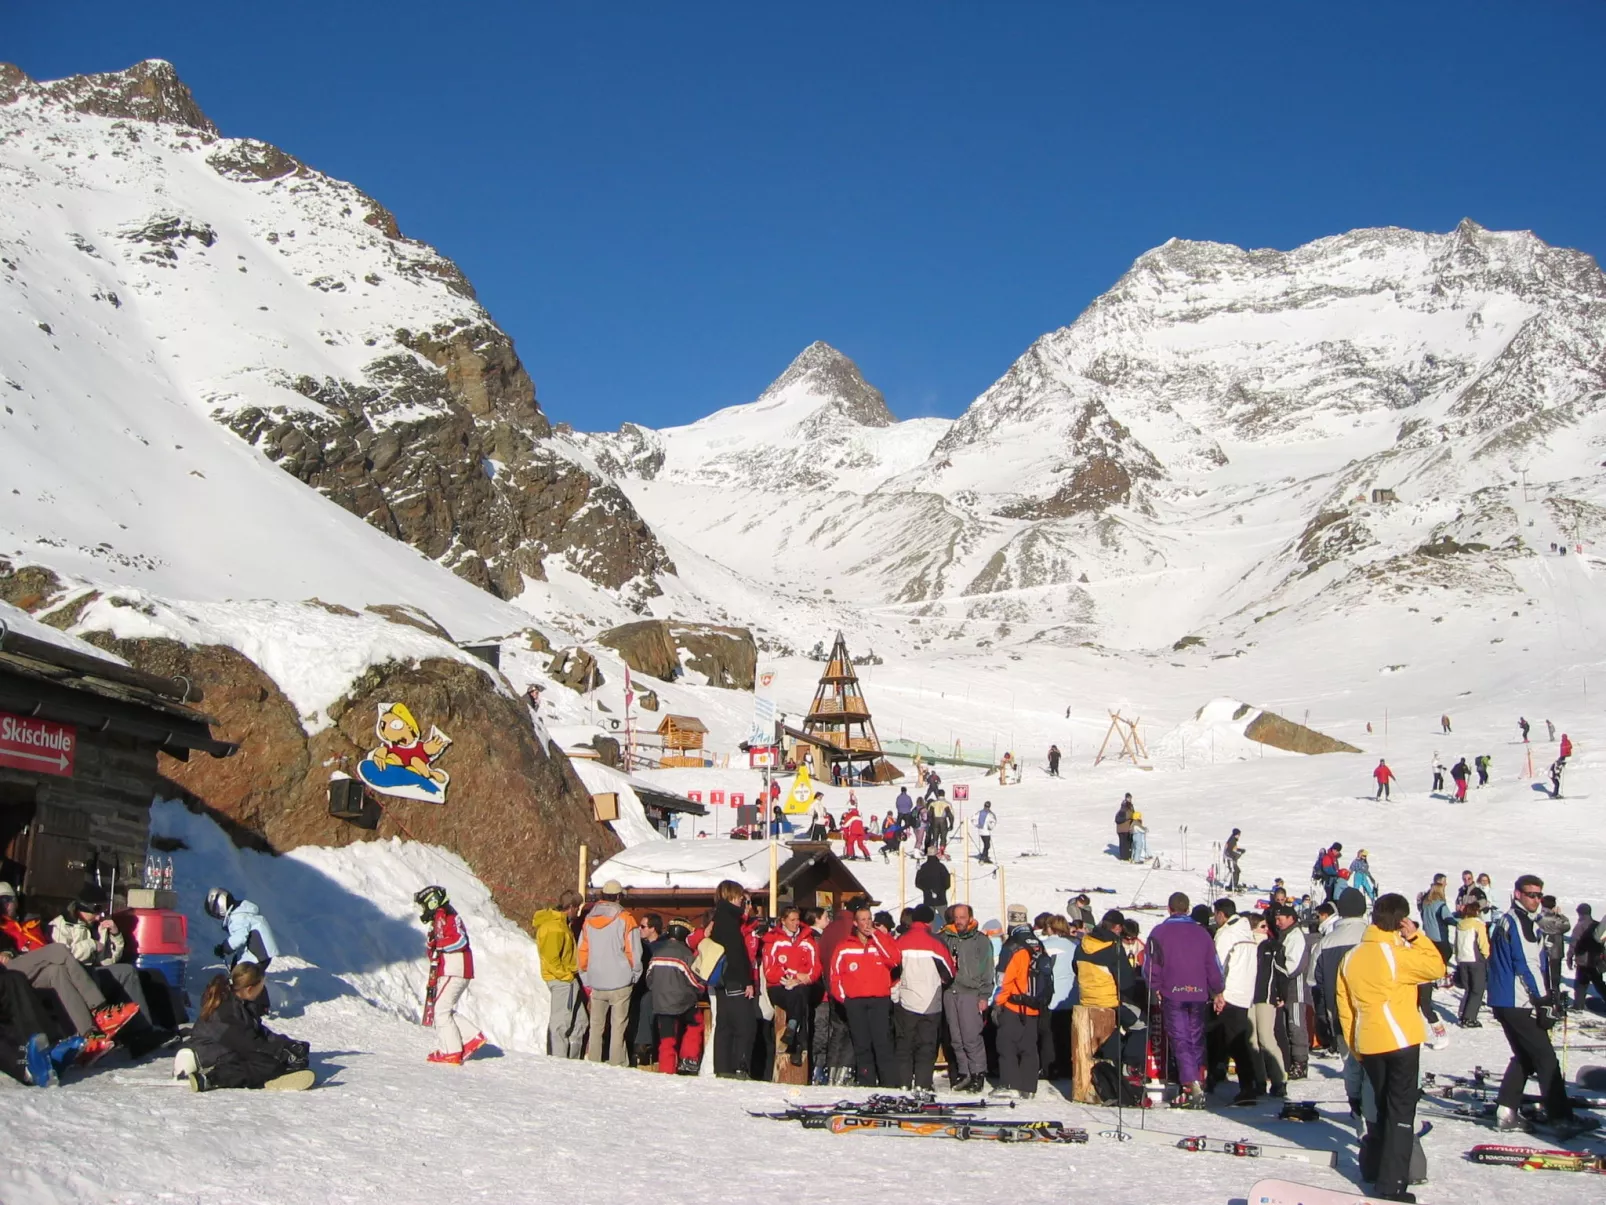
{"x": 1199, "y": 447}
{"x": 193, "y": 329}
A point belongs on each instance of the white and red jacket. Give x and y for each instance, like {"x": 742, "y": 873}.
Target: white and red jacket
{"x": 785, "y": 954}
{"x": 928, "y": 967}
{"x": 862, "y": 966}
{"x": 852, "y": 825}
{"x": 449, "y": 952}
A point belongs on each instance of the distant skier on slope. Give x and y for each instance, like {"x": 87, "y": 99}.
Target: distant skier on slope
{"x": 1523, "y": 725}
{"x": 1481, "y": 764}
{"x": 1566, "y": 749}
{"x": 1556, "y": 767}
{"x": 1384, "y": 776}
{"x": 1231, "y": 851}
{"x": 1053, "y": 761}
{"x": 1438, "y": 772}
{"x": 1461, "y": 772}
{"x": 1444, "y": 722}
{"x": 1551, "y": 729}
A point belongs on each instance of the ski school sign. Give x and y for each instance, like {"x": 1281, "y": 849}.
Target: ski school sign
{"x": 37, "y": 745}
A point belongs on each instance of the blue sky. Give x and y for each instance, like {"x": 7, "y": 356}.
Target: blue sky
{"x": 663, "y": 203}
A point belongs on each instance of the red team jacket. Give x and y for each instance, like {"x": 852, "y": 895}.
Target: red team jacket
{"x": 449, "y": 951}
{"x": 863, "y": 967}
{"x": 798, "y": 955}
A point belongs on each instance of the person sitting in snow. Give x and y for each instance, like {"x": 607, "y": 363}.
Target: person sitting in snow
{"x": 231, "y": 1048}
{"x": 451, "y": 969}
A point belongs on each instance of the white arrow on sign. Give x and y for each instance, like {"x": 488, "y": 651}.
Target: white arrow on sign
{"x": 59, "y": 760}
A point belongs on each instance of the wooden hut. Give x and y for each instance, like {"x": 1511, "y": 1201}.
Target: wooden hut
{"x": 79, "y": 738}
{"x": 839, "y": 726}
{"x": 683, "y": 740}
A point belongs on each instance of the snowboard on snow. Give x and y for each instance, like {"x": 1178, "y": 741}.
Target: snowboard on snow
{"x": 295, "y": 1081}
{"x": 1243, "y": 1148}
{"x": 1286, "y": 1192}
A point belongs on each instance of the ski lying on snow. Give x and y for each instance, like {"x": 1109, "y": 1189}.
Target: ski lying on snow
{"x": 1535, "y": 1159}
{"x": 884, "y": 1106}
{"x": 1243, "y": 1148}
{"x": 1286, "y": 1192}
{"x": 945, "y": 1127}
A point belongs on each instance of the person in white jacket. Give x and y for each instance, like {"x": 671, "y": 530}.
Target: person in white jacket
{"x": 986, "y": 821}
{"x": 94, "y": 939}
{"x": 1237, "y": 952}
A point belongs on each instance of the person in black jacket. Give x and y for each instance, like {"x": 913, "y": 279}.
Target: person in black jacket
{"x": 933, "y": 879}
{"x": 232, "y": 1048}
{"x": 735, "y": 1001}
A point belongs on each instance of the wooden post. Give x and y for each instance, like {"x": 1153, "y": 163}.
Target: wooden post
{"x": 775, "y": 875}
{"x": 1003, "y": 900}
{"x": 585, "y": 860}
{"x": 903, "y": 870}
{"x": 966, "y": 823}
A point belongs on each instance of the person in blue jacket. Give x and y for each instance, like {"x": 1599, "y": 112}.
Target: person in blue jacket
{"x": 247, "y": 936}
{"x": 1522, "y": 1003}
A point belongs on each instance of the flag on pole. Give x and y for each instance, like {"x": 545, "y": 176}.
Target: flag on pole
{"x": 629, "y": 694}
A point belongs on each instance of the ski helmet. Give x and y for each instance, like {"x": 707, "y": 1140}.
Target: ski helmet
{"x": 219, "y": 903}
{"x": 430, "y": 900}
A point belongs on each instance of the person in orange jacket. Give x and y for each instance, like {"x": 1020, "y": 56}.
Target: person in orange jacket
{"x": 1020, "y": 998}
{"x": 861, "y": 980}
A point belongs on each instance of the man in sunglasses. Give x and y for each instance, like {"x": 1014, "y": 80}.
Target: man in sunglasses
{"x": 1526, "y": 1010}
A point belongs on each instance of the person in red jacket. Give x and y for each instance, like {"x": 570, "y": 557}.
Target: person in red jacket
{"x": 861, "y": 979}
{"x": 1566, "y": 746}
{"x": 1384, "y": 776}
{"x": 451, "y": 970}
{"x": 853, "y": 834}
{"x": 791, "y": 968}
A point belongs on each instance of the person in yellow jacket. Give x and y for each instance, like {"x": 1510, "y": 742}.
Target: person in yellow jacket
{"x": 554, "y": 938}
{"x": 1377, "y": 1010}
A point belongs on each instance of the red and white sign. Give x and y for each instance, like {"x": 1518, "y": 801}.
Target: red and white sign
{"x": 738, "y": 799}
{"x": 759, "y": 756}
{"x": 961, "y": 792}
{"x": 695, "y": 796}
{"x": 716, "y": 798}
{"x": 37, "y": 745}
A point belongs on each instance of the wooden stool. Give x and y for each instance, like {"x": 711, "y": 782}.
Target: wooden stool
{"x": 785, "y": 1072}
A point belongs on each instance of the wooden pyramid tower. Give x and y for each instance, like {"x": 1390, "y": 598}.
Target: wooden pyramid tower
{"x": 839, "y": 720}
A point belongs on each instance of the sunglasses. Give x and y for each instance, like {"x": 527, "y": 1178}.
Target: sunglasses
{"x": 1532, "y": 895}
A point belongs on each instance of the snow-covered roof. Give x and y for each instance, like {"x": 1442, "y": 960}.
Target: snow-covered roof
{"x": 23, "y": 624}
{"x": 698, "y": 864}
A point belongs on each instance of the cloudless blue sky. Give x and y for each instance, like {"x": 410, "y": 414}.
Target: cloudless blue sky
{"x": 664, "y": 202}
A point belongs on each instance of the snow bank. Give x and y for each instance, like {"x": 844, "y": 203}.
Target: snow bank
{"x": 312, "y": 652}
{"x": 702, "y": 864}
{"x": 632, "y": 827}
{"x": 23, "y": 624}
{"x": 349, "y": 930}
{"x": 1216, "y": 734}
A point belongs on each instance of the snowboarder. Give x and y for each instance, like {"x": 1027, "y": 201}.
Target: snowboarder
{"x": 1461, "y": 773}
{"x": 1053, "y": 761}
{"x": 1384, "y": 776}
{"x": 451, "y": 969}
{"x": 1523, "y": 725}
{"x": 1230, "y": 853}
{"x": 985, "y": 821}
{"x": 1556, "y": 768}
{"x": 231, "y": 1048}
{"x": 1438, "y": 772}
{"x": 1123, "y": 828}
{"x": 1444, "y": 722}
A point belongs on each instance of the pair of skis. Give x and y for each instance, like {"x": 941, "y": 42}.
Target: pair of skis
{"x": 1532, "y": 1158}
{"x": 960, "y": 1128}
{"x": 883, "y": 1105}
{"x": 1242, "y": 1148}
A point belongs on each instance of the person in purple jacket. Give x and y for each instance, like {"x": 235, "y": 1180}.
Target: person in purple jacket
{"x": 1185, "y": 976}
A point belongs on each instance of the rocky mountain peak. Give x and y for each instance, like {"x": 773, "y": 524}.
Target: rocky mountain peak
{"x": 148, "y": 91}
{"x": 827, "y": 373}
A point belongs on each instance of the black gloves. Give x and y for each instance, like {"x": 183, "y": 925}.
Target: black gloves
{"x": 221, "y": 949}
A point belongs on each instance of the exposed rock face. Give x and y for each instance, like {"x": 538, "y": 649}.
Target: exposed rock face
{"x": 726, "y": 655}
{"x": 576, "y": 669}
{"x": 646, "y": 647}
{"x": 515, "y": 810}
{"x": 1271, "y": 729}
{"x": 148, "y": 91}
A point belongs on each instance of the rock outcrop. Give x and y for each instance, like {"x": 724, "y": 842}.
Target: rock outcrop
{"x": 515, "y": 810}
{"x": 1269, "y": 728}
{"x": 645, "y": 646}
{"x": 725, "y": 655}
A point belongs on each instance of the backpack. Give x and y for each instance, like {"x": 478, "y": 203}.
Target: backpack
{"x": 1316, "y": 868}
{"x": 709, "y": 962}
{"x": 1111, "y": 1087}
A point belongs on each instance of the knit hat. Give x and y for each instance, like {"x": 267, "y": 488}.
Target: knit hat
{"x": 612, "y": 887}
{"x": 7, "y": 891}
{"x": 1015, "y": 915}
{"x": 1351, "y": 902}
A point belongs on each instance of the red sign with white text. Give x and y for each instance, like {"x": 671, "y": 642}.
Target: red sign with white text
{"x": 37, "y": 745}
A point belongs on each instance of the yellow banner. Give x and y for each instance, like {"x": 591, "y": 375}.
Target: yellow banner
{"x": 801, "y": 794}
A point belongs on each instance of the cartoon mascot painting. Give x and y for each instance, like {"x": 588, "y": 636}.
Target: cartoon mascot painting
{"x": 404, "y": 762}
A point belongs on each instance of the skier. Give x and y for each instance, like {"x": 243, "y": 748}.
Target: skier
{"x": 1237, "y": 952}
{"x": 966, "y": 998}
{"x": 1481, "y": 763}
{"x": 928, "y": 968}
{"x": 1360, "y": 877}
{"x": 554, "y": 939}
{"x": 861, "y": 981}
{"x": 1444, "y": 722}
{"x": 1586, "y": 957}
{"x": 1186, "y": 979}
{"x": 1526, "y": 1013}
{"x": 1555, "y": 928}
{"x": 985, "y": 821}
{"x": 853, "y": 834}
{"x": 1461, "y": 773}
{"x": 819, "y": 818}
{"x": 1025, "y": 988}
{"x": 1140, "y": 837}
{"x": 673, "y": 988}
{"x": 1325, "y": 871}
{"x": 1523, "y": 725}
{"x": 1438, "y": 772}
{"x": 1551, "y": 729}
{"x": 1566, "y": 749}
{"x": 1556, "y": 767}
{"x": 903, "y": 803}
{"x": 933, "y": 781}
{"x": 791, "y": 962}
{"x": 1123, "y": 828}
{"x": 1470, "y": 893}
{"x": 1384, "y": 776}
{"x": 1230, "y": 853}
{"x": 1471, "y": 963}
{"x": 1053, "y": 761}
{"x": 247, "y": 937}
{"x": 229, "y": 1046}
{"x": 451, "y": 969}
{"x": 939, "y": 825}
